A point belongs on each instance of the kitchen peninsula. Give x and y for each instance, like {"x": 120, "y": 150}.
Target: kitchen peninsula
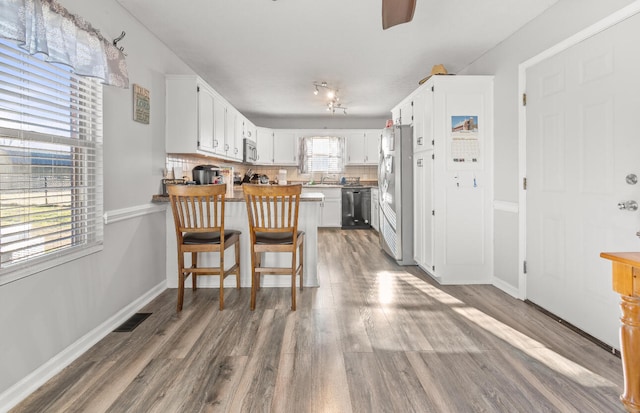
{"x": 236, "y": 218}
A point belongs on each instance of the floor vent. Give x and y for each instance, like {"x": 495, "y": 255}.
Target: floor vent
{"x": 132, "y": 323}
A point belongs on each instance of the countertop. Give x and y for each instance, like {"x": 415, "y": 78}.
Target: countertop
{"x": 238, "y": 196}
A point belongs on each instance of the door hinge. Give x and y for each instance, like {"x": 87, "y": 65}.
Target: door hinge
{"x": 524, "y": 183}
{"x": 433, "y": 268}
{"x": 197, "y": 88}
{"x": 433, "y": 88}
{"x": 524, "y": 99}
{"x": 433, "y": 212}
{"x": 433, "y": 156}
{"x": 433, "y": 142}
{"x": 524, "y": 267}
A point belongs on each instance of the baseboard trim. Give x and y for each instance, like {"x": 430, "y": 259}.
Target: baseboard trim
{"x": 584, "y": 334}
{"x": 19, "y": 391}
{"x": 506, "y": 206}
{"x": 507, "y": 288}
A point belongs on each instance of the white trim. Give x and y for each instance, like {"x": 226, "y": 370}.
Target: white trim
{"x": 19, "y": 391}
{"x": 609, "y": 21}
{"x": 506, "y": 287}
{"x": 506, "y": 206}
{"x": 117, "y": 215}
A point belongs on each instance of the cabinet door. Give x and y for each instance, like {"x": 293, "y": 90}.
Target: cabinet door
{"x": 229, "y": 131}
{"x": 375, "y": 208}
{"x": 418, "y": 121}
{"x": 355, "y": 148}
{"x": 332, "y": 207}
{"x": 332, "y": 213}
{"x": 406, "y": 112}
{"x": 265, "y": 146}
{"x": 219, "y": 125}
{"x": 238, "y": 133}
{"x": 205, "y": 120}
{"x": 371, "y": 147}
{"x": 284, "y": 148}
{"x": 423, "y": 210}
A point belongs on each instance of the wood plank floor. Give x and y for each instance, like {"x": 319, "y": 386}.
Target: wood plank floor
{"x": 375, "y": 337}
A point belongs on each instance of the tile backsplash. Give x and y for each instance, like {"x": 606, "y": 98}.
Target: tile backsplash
{"x": 185, "y": 163}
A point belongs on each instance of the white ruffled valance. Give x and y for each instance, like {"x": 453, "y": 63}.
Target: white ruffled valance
{"x": 44, "y": 26}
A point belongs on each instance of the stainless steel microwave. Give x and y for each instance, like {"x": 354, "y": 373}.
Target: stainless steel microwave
{"x": 250, "y": 152}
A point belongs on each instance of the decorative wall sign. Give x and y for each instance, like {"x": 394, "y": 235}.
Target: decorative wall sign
{"x": 141, "y": 104}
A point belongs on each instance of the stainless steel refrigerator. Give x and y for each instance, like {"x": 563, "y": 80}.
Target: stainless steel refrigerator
{"x": 395, "y": 182}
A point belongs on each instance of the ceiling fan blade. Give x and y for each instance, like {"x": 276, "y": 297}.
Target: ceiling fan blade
{"x": 397, "y": 12}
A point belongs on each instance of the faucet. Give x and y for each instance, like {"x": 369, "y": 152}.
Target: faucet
{"x": 323, "y": 178}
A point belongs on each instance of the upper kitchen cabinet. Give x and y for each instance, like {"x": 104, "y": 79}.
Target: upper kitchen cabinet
{"x": 199, "y": 120}
{"x": 285, "y": 148}
{"x": 402, "y": 114}
{"x": 363, "y": 147}
{"x": 423, "y": 120}
{"x": 264, "y": 141}
{"x": 189, "y": 116}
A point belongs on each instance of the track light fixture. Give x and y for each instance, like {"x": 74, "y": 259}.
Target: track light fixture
{"x": 332, "y": 95}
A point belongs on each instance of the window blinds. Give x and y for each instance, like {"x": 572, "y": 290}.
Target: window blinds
{"x": 50, "y": 160}
{"x": 322, "y": 154}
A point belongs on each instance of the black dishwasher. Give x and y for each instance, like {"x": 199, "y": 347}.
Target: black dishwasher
{"x": 356, "y": 207}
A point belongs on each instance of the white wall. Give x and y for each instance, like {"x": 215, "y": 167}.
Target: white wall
{"x": 44, "y": 314}
{"x": 328, "y": 121}
{"x": 564, "y": 19}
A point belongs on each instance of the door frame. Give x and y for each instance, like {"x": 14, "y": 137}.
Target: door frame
{"x": 600, "y": 26}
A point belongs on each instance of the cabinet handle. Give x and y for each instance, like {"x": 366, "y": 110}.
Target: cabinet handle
{"x": 226, "y": 147}
{"x": 420, "y": 163}
{"x": 420, "y": 140}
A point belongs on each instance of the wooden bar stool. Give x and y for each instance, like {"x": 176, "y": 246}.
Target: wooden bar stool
{"x": 198, "y": 214}
{"x": 273, "y": 226}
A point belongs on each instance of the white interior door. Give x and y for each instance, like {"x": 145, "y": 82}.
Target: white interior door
{"x": 581, "y": 142}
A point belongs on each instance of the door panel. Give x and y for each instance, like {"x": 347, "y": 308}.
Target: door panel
{"x": 581, "y": 144}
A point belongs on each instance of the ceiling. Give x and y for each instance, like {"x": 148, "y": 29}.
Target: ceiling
{"x": 264, "y": 55}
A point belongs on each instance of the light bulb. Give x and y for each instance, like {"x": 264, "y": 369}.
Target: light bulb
{"x": 330, "y": 94}
{"x": 315, "y": 92}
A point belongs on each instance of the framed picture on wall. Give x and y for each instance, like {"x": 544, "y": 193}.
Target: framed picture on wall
{"x": 141, "y": 104}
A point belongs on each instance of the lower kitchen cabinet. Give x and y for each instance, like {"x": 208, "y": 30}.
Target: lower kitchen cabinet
{"x": 331, "y": 207}
{"x": 375, "y": 209}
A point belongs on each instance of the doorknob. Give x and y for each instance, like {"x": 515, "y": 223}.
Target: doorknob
{"x": 628, "y": 205}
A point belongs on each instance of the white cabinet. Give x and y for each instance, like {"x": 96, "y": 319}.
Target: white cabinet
{"x": 264, "y": 141}
{"x": 219, "y": 125}
{"x": 363, "y": 147}
{"x": 402, "y": 114}
{"x": 189, "y": 115}
{"x": 375, "y": 209}
{"x": 423, "y": 209}
{"x": 199, "y": 120}
{"x": 331, "y": 207}
{"x": 285, "y": 148}
{"x": 453, "y": 181}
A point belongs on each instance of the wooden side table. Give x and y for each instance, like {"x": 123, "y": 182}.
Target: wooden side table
{"x": 626, "y": 282}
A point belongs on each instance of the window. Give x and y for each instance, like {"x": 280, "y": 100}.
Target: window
{"x": 322, "y": 154}
{"x": 50, "y": 164}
